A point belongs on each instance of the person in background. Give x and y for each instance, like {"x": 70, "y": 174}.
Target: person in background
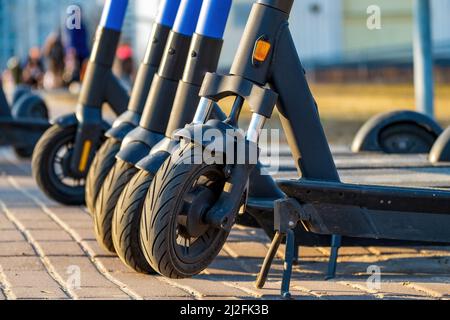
{"x": 15, "y": 70}
{"x": 124, "y": 65}
{"x": 54, "y": 54}
{"x": 33, "y": 71}
{"x": 77, "y": 49}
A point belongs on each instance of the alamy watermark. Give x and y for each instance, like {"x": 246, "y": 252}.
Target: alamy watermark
{"x": 374, "y": 280}
{"x": 213, "y": 146}
{"x": 73, "y": 20}
{"x": 73, "y": 281}
{"x": 374, "y": 18}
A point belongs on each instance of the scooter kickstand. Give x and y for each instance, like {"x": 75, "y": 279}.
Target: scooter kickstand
{"x": 296, "y": 259}
{"x": 288, "y": 262}
{"x": 275, "y": 245}
{"x": 336, "y": 242}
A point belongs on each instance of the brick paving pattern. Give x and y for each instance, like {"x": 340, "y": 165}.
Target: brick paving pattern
{"x": 43, "y": 245}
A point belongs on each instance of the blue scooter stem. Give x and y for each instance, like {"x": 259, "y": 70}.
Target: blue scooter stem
{"x": 114, "y": 14}
{"x": 187, "y": 17}
{"x": 167, "y": 12}
{"x": 213, "y": 18}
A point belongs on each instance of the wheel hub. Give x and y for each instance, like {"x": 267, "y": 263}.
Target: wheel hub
{"x": 196, "y": 204}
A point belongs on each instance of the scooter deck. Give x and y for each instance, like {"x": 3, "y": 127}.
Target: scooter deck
{"x": 347, "y": 160}
{"x": 360, "y": 172}
{"x": 20, "y": 132}
{"x": 378, "y": 211}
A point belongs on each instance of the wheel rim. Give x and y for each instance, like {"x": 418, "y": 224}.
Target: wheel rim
{"x": 60, "y": 158}
{"x": 38, "y": 111}
{"x": 406, "y": 139}
{"x": 203, "y": 186}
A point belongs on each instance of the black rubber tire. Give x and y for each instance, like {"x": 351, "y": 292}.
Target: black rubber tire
{"x": 43, "y": 166}
{"x": 102, "y": 164}
{"x": 126, "y": 223}
{"x": 418, "y": 139}
{"x": 19, "y": 92}
{"x": 28, "y": 106}
{"x": 158, "y": 223}
{"x": 23, "y": 152}
{"x": 108, "y": 197}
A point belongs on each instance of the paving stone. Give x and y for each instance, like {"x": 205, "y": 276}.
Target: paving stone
{"x": 86, "y": 233}
{"x": 18, "y": 248}
{"x": 5, "y": 224}
{"x": 96, "y": 250}
{"x": 392, "y": 250}
{"x": 21, "y": 264}
{"x": 41, "y": 225}
{"x": 31, "y": 279}
{"x": 436, "y": 287}
{"x": 150, "y": 287}
{"x": 71, "y": 214}
{"x": 100, "y": 293}
{"x": 328, "y": 290}
{"x": 11, "y": 236}
{"x": 115, "y": 265}
{"x": 2, "y": 296}
{"x": 50, "y": 235}
{"x": 61, "y": 248}
{"x": 248, "y": 249}
{"x": 90, "y": 276}
{"x": 32, "y": 214}
{"x": 210, "y": 286}
{"x": 34, "y": 293}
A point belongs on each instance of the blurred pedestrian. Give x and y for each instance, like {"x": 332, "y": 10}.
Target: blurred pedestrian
{"x": 15, "y": 70}
{"x": 33, "y": 71}
{"x": 54, "y": 54}
{"x": 124, "y": 65}
{"x": 77, "y": 53}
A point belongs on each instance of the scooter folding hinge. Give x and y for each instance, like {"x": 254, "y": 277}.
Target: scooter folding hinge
{"x": 287, "y": 214}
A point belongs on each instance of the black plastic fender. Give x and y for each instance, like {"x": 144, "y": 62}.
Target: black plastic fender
{"x": 138, "y": 144}
{"x": 441, "y": 148}
{"x": 160, "y": 153}
{"x": 205, "y": 135}
{"x": 153, "y": 162}
{"x": 30, "y": 106}
{"x": 71, "y": 119}
{"x": 123, "y": 125}
{"x": 368, "y": 137}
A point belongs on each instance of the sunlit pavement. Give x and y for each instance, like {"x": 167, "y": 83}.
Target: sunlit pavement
{"x": 48, "y": 251}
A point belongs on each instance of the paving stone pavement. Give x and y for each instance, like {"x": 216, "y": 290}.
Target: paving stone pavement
{"x": 46, "y": 248}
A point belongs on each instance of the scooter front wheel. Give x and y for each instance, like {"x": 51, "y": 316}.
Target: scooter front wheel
{"x": 174, "y": 238}
{"x": 51, "y": 166}
{"x": 28, "y": 106}
{"x": 108, "y": 197}
{"x": 126, "y": 223}
{"x": 103, "y": 162}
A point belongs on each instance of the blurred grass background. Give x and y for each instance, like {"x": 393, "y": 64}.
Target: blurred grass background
{"x": 343, "y": 107}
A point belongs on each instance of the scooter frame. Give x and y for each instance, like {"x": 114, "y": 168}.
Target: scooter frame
{"x": 18, "y": 131}
{"x": 100, "y": 85}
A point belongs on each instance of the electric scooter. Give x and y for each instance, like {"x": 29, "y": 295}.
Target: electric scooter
{"x": 63, "y": 154}
{"x": 196, "y": 196}
{"x": 23, "y": 123}
{"x": 205, "y": 52}
{"x": 105, "y": 158}
{"x": 407, "y": 132}
{"x": 151, "y": 130}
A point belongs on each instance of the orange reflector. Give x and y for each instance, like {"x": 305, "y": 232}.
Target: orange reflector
{"x": 262, "y": 50}
{"x": 85, "y": 155}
